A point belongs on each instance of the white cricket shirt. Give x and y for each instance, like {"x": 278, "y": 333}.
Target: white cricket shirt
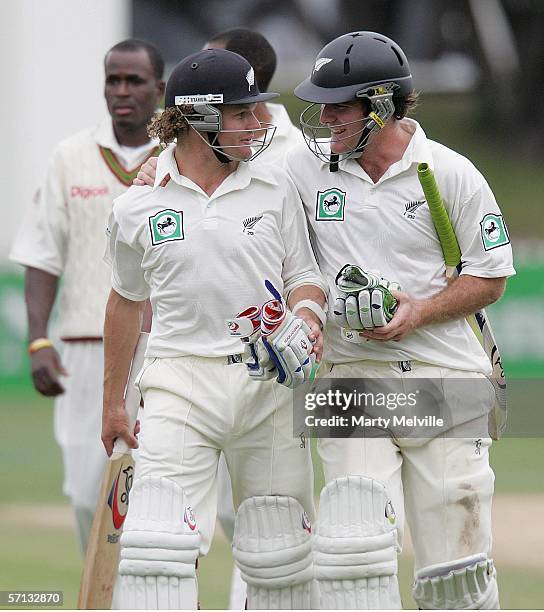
{"x": 387, "y": 227}
{"x": 202, "y": 260}
{"x": 286, "y": 136}
{"x": 63, "y": 231}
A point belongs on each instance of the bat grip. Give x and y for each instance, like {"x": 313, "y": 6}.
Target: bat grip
{"x": 132, "y": 393}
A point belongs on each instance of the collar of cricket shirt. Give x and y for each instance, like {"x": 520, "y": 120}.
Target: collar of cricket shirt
{"x": 111, "y": 152}
{"x": 239, "y": 179}
{"x": 417, "y": 151}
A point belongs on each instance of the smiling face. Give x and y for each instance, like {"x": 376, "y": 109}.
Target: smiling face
{"x": 345, "y": 121}
{"x": 239, "y": 129}
{"x": 131, "y": 89}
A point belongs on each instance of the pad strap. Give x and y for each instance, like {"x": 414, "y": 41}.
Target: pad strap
{"x": 469, "y": 583}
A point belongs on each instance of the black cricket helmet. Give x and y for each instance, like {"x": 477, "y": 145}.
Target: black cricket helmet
{"x": 359, "y": 65}
{"x": 208, "y": 79}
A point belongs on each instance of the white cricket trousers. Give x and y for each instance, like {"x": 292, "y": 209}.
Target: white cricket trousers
{"x": 443, "y": 485}
{"x": 78, "y": 425}
{"x": 194, "y": 407}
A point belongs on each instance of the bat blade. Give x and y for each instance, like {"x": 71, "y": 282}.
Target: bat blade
{"x": 102, "y": 556}
{"x": 479, "y": 322}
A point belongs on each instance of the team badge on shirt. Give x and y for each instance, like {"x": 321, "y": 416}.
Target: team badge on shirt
{"x": 494, "y": 232}
{"x": 330, "y": 205}
{"x": 166, "y": 225}
{"x": 250, "y": 223}
{"x": 410, "y": 208}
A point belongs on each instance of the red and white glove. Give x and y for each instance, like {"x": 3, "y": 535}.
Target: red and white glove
{"x": 285, "y": 337}
{"x": 276, "y": 343}
{"x": 247, "y": 326}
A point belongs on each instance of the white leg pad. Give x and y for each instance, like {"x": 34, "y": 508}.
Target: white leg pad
{"x": 465, "y": 584}
{"x": 273, "y": 549}
{"x": 238, "y": 590}
{"x": 356, "y": 546}
{"x": 159, "y": 548}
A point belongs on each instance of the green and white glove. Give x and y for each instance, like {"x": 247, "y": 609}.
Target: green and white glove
{"x": 364, "y": 300}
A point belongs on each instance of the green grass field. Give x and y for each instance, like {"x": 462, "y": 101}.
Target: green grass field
{"x": 38, "y": 549}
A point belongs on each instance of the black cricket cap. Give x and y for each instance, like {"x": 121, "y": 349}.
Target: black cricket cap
{"x": 214, "y": 76}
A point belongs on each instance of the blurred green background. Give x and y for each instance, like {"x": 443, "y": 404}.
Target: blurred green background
{"x": 38, "y": 548}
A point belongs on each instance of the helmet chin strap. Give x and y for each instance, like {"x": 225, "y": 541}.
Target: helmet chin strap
{"x": 381, "y": 111}
{"x": 212, "y": 137}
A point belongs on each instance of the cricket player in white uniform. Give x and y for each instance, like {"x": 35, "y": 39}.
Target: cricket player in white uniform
{"x": 365, "y": 206}
{"x": 63, "y": 236}
{"x": 201, "y": 249}
{"x": 256, "y": 49}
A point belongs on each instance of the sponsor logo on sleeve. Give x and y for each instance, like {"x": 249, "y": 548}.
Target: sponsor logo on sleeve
{"x": 166, "y": 226}
{"x": 330, "y": 205}
{"x": 494, "y": 232}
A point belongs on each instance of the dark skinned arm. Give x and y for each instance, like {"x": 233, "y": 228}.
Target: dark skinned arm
{"x": 40, "y": 292}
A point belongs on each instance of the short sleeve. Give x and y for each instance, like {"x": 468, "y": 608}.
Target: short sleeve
{"x": 127, "y": 275}
{"x": 41, "y": 241}
{"x": 483, "y": 236}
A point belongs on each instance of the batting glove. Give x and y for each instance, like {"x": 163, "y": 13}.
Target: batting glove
{"x": 247, "y": 326}
{"x": 285, "y": 337}
{"x": 364, "y": 300}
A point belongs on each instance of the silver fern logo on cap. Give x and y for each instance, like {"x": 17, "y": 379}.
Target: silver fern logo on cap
{"x": 250, "y": 78}
{"x": 321, "y": 62}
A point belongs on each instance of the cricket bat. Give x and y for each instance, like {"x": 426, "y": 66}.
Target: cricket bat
{"x": 102, "y": 557}
{"x": 478, "y": 321}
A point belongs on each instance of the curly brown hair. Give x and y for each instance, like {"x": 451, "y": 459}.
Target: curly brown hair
{"x": 169, "y": 125}
{"x": 405, "y": 104}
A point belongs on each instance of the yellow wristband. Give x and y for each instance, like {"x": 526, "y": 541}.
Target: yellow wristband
{"x": 38, "y": 344}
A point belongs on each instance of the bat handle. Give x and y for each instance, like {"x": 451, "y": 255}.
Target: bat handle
{"x": 132, "y": 393}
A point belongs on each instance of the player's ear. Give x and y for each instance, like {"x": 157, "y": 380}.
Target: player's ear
{"x": 161, "y": 85}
